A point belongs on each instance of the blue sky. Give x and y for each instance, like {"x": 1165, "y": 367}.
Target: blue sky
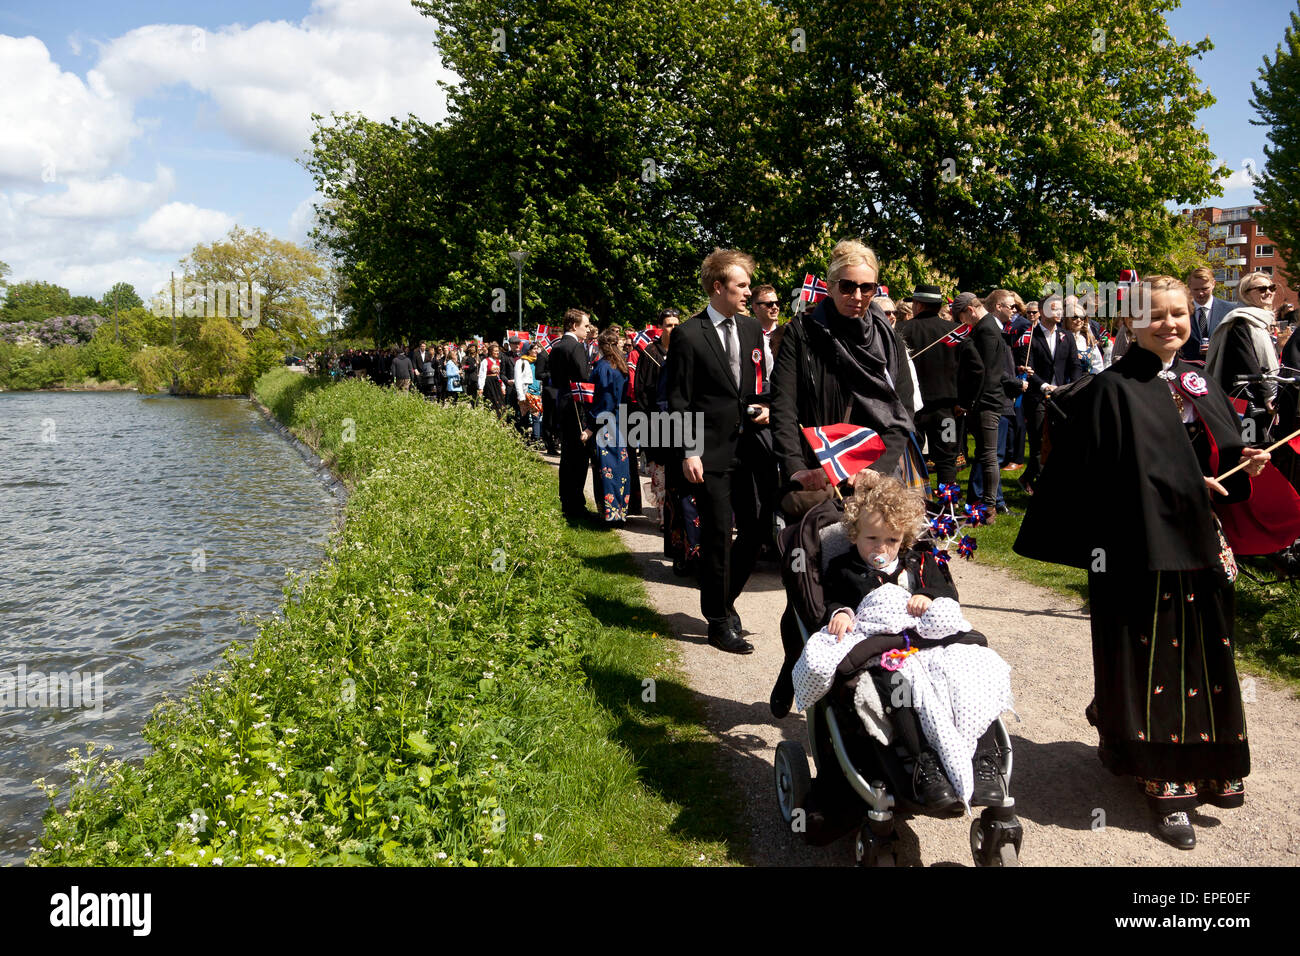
{"x": 131, "y": 131}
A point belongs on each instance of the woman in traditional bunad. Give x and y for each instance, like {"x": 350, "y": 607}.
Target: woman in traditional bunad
{"x": 1153, "y": 428}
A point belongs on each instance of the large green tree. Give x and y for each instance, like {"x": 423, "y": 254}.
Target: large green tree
{"x": 1277, "y": 100}
{"x": 287, "y": 278}
{"x": 993, "y": 143}
{"x": 121, "y": 296}
{"x": 35, "y": 301}
{"x": 1000, "y": 139}
{"x": 606, "y": 141}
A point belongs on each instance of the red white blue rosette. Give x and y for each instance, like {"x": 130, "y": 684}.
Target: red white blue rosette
{"x": 757, "y": 356}
{"x": 1193, "y": 384}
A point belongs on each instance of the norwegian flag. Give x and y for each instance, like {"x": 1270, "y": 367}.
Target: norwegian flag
{"x": 844, "y": 450}
{"x": 1127, "y": 277}
{"x": 645, "y": 337}
{"x": 583, "y": 392}
{"x": 957, "y": 335}
{"x": 1025, "y": 339}
{"x": 543, "y": 345}
{"x": 543, "y": 332}
{"x": 813, "y": 290}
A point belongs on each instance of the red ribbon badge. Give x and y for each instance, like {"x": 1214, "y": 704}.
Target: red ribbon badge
{"x": 1193, "y": 384}
{"x": 758, "y": 370}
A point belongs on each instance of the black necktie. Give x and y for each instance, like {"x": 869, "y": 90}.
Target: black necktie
{"x": 1201, "y": 329}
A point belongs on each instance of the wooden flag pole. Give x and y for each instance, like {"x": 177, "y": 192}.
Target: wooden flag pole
{"x": 1246, "y": 461}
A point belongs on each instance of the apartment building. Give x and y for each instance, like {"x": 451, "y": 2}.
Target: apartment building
{"x": 1235, "y": 245}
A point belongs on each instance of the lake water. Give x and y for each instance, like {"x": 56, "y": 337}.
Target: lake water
{"x": 135, "y": 533}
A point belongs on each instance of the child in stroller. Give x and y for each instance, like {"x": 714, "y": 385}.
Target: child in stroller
{"x": 881, "y": 601}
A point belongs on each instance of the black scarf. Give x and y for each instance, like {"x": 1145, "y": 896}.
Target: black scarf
{"x": 862, "y": 358}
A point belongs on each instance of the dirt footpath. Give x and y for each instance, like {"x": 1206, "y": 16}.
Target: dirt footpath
{"x": 1074, "y": 811}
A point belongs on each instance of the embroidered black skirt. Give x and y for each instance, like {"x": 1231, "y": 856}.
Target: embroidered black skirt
{"x": 1167, "y": 704}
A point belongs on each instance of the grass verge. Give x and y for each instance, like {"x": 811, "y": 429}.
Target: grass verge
{"x": 1268, "y": 615}
{"x": 465, "y": 680}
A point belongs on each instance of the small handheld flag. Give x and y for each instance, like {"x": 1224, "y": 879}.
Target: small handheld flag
{"x": 583, "y": 392}
{"x": 957, "y": 335}
{"x": 813, "y": 290}
{"x": 844, "y": 450}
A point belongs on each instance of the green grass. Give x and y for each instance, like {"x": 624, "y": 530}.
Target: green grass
{"x": 1268, "y": 615}
{"x": 463, "y": 681}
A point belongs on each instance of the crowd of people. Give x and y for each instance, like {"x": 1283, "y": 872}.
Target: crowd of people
{"x": 1144, "y": 403}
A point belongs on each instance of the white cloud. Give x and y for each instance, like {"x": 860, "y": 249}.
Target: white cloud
{"x": 115, "y": 197}
{"x": 1243, "y": 178}
{"x": 51, "y": 123}
{"x": 69, "y": 215}
{"x": 179, "y": 226}
{"x": 303, "y": 218}
{"x": 370, "y": 56}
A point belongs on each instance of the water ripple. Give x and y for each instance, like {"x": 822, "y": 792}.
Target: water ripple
{"x": 137, "y": 530}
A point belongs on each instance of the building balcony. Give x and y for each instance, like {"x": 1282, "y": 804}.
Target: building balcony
{"x": 1239, "y": 261}
{"x": 1236, "y": 240}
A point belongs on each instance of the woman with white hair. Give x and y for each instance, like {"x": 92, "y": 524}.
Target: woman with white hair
{"x": 1243, "y": 344}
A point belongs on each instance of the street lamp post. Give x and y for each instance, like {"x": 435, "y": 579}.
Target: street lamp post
{"x": 518, "y": 256}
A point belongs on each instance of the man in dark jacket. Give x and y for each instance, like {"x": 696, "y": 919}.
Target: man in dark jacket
{"x": 936, "y": 373}
{"x": 401, "y": 367}
{"x": 717, "y": 358}
{"x": 1053, "y": 361}
{"x": 982, "y": 391}
{"x": 569, "y": 365}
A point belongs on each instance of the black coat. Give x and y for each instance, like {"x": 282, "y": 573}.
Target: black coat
{"x": 936, "y": 368}
{"x": 849, "y": 579}
{"x": 807, "y": 392}
{"x": 568, "y": 364}
{"x": 700, "y": 381}
{"x": 983, "y": 361}
{"x": 1123, "y": 482}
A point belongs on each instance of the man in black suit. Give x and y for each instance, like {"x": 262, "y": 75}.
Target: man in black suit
{"x": 1208, "y": 311}
{"x": 984, "y": 364}
{"x": 568, "y": 364}
{"x": 713, "y": 370}
{"x": 1053, "y": 361}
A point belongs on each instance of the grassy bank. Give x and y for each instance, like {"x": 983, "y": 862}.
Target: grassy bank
{"x": 465, "y": 680}
{"x": 1268, "y": 615}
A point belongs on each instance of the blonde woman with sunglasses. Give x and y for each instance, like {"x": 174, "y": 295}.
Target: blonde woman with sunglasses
{"x": 1243, "y": 344}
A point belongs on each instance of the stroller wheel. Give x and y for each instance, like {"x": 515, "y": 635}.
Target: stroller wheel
{"x": 872, "y": 849}
{"x": 995, "y": 842}
{"x": 792, "y": 779}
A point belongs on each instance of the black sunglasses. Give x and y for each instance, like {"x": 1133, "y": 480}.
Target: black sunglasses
{"x": 848, "y": 287}
{"x": 768, "y": 305}
{"x": 1262, "y": 288}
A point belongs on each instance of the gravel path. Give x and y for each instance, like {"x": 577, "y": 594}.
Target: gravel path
{"x": 1062, "y": 792}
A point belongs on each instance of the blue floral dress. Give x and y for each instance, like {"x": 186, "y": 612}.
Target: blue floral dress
{"x": 613, "y": 488}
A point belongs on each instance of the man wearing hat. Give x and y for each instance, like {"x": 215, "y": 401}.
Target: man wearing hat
{"x": 936, "y": 372}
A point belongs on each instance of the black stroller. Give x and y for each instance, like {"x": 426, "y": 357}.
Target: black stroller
{"x": 874, "y": 777}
